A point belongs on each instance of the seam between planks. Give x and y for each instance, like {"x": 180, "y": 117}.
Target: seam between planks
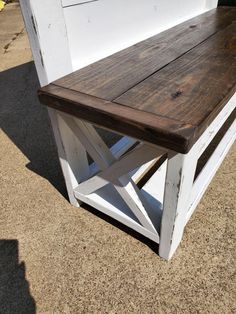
{"x": 180, "y": 56}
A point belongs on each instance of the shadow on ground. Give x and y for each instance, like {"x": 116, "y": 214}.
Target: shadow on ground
{"x": 14, "y": 289}
{"x": 25, "y": 121}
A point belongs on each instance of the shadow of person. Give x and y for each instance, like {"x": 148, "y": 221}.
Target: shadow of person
{"x": 14, "y": 289}
{"x": 25, "y": 121}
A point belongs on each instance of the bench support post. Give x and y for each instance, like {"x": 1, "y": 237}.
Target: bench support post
{"x": 179, "y": 180}
{"x": 72, "y": 155}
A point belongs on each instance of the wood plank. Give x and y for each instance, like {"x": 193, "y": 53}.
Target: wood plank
{"x": 193, "y": 88}
{"x": 113, "y": 75}
{"x": 145, "y": 126}
{"x": 178, "y": 185}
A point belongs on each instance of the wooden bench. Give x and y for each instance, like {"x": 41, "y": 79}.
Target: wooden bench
{"x": 165, "y": 90}
{"x": 168, "y": 96}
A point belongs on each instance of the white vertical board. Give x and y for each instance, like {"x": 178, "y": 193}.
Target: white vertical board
{"x": 100, "y": 28}
{"x": 45, "y": 24}
{"x": 178, "y": 186}
{"x": 47, "y": 33}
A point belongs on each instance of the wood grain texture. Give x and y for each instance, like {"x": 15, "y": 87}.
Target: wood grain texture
{"x": 192, "y": 87}
{"x": 165, "y": 90}
{"x": 114, "y": 75}
{"x": 140, "y": 125}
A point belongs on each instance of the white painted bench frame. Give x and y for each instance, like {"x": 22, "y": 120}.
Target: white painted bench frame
{"x": 161, "y": 209}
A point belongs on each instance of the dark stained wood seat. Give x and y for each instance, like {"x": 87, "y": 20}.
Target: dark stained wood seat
{"x": 165, "y": 90}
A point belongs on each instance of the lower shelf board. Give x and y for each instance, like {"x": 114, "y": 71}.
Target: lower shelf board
{"x": 108, "y": 201}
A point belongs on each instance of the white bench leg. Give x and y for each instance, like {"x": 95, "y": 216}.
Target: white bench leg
{"x": 179, "y": 180}
{"x": 72, "y": 155}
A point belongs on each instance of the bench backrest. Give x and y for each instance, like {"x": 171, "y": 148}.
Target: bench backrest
{"x": 66, "y": 35}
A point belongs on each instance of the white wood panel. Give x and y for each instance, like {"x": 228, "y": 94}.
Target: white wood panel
{"x": 208, "y": 172}
{"x": 101, "y": 28}
{"x": 178, "y": 186}
{"x": 75, "y": 153}
{"x": 48, "y": 38}
{"x": 47, "y": 33}
{"x": 70, "y": 179}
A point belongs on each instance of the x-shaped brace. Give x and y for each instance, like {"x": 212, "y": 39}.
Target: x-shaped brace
{"x": 115, "y": 171}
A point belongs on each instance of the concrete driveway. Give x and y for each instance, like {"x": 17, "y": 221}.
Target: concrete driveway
{"x": 55, "y": 258}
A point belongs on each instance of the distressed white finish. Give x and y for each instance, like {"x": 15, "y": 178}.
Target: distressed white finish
{"x": 178, "y": 185}
{"x": 66, "y": 35}
{"x": 182, "y": 194}
{"x": 47, "y": 33}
